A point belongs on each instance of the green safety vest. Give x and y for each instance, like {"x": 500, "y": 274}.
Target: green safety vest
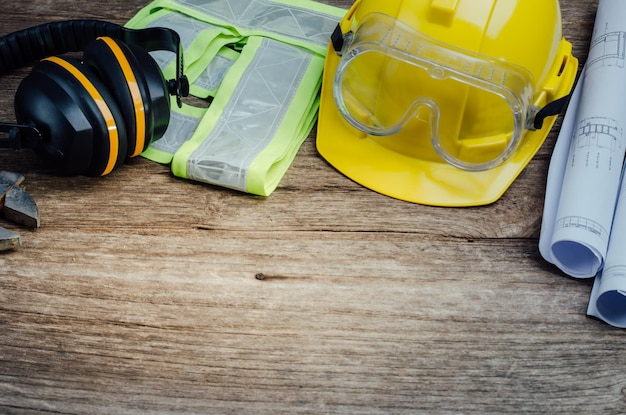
{"x": 258, "y": 64}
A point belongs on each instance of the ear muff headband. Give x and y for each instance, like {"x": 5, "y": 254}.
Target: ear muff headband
{"x": 135, "y": 93}
{"x": 20, "y": 48}
{"x": 113, "y": 134}
{"x": 25, "y": 46}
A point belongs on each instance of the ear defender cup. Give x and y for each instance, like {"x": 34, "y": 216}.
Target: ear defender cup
{"x": 82, "y": 127}
{"x": 137, "y": 83}
{"x": 87, "y": 117}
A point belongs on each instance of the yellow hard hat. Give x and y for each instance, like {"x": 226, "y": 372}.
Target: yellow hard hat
{"x": 442, "y": 102}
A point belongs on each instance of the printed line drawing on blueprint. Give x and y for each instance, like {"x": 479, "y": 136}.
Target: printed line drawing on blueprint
{"x": 587, "y": 224}
{"x": 598, "y": 140}
{"x": 608, "y": 49}
{"x": 616, "y": 271}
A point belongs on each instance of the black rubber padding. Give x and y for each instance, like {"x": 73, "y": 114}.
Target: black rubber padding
{"x": 27, "y": 46}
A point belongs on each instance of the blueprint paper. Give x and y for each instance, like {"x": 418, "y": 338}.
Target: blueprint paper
{"x": 584, "y": 222}
{"x": 557, "y": 170}
{"x": 576, "y": 234}
{"x": 608, "y": 296}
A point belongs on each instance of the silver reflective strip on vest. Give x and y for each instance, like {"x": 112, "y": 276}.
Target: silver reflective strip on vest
{"x": 305, "y": 25}
{"x": 212, "y": 77}
{"x": 180, "y": 128}
{"x": 252, "y": 116}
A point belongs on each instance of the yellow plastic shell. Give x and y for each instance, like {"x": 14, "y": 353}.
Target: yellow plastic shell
{"x": 525, "y": 33}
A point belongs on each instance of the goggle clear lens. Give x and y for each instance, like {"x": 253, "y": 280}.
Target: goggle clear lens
{"x": 391, "y": 79}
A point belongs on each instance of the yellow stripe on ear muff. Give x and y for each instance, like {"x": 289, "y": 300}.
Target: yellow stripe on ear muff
{"x": 102, "y": 106}
{"x": 135, "y": 93}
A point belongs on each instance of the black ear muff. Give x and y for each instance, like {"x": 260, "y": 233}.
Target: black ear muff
{"x": 138, "y": 86}
{"x": 88, "y": 117}
{"x": 82, "y": 128}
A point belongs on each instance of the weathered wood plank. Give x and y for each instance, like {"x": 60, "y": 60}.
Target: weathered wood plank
{"x": 326, "y": 318}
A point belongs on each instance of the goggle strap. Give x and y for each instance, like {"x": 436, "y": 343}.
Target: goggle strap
{"x": 337, "y": 39}
{"x": 553, "y": 108}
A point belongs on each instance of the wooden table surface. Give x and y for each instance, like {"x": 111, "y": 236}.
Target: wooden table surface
{"x": 140, "y": 293}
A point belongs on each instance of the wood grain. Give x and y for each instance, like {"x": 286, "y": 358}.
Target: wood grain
{"x": 143, "y": 293}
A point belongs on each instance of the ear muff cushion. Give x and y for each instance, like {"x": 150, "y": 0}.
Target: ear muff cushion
{"x": 118, "y": 69}
{"x": 158, "y": 91}
{"x": 83, "y": 128}
{"x": 137, "y": 83}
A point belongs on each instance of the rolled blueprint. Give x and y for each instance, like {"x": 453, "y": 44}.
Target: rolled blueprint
{"x": 585, "y": 170}
{"x": 608, "y": 296}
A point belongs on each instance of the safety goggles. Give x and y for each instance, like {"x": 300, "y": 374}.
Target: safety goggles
{"x": 393, "y": 80}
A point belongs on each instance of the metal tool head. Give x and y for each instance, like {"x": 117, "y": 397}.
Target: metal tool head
{"x": 9, "y": 239}
{"x": 16, "y": 206}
